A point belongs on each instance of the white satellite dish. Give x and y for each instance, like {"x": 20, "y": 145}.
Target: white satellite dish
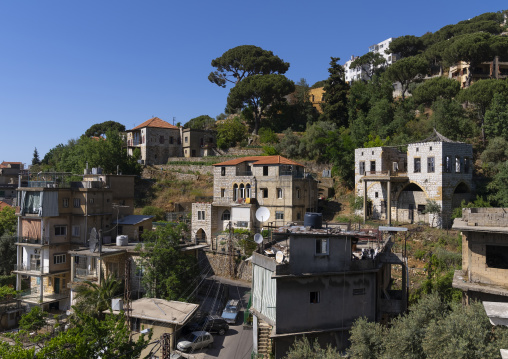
{"x": 279, "y": 257}
{"x": 92, "y": 242}
{"x": 263, "y": 214}
{"x": 258, "y": 238}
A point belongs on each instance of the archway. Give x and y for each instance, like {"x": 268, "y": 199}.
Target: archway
{"x": 201, "y": 236}
{"x": 411, "y": 203}
{"x": 462, "y": 192}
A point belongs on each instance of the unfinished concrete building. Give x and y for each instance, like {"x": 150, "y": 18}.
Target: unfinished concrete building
{"x": 398, "y": 185}
{"x": 484, "y": 274}
{"x": 318, "y": 283}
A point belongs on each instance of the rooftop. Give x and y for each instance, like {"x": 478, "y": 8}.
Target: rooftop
{"x": 155, "y": 122}
{"x": 260, "y": 160}
{"x": 482, "y": 220}
{"x": 132, "y": 219}
{"x": 160, "y": 310}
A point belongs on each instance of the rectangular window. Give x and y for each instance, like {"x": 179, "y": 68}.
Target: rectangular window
{"x": 65, "y": 203}
{"x": 279, "y": 192}
{"x": 430, "y": 165}
{"x": 139, "y": 271}
{"x": 223, "y": 192}
{"x": 75, "y": 231}
{"x": 161, "y": 139}
{"x": 417, "y": 165}
{"x": 466, "y": 165}
{"x": 264, "y": 192}
{"x": 265, "y": 170}
{"x": 457, "y": 164}
{"x": 372, "y": 166}
{"x": 322, "y": 246}
{"x": 421, "y": 208}
{"x": 171, "y": 140}
{"x": 58, "y": 258}
{"x": 497, "y": 257}
{"x": 91, "y": 200}
{"x": 201, "y": 215}
{"x": 314, "y": 297}
{"x": 223, "y": 171}
{"x": 77, "y": 202}
{"x": 362, "y": 167}
{"x": 186, "y": 139}
{"x": 448, "y": 164}
{"x": 298, "y": 193}
{"x": 279, "y": 215}
{"x": 60, "y": 230}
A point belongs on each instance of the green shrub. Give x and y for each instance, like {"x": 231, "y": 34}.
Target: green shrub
{"x": 266, "y": 135}
{"x": 420, "y": 254}
{"x": 158, "y": 213}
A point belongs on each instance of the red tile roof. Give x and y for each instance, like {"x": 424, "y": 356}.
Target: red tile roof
{"x": 260, "y": 160}
{"x": 5, "y": 164}
{"x": 3, "y": 205}
{"x": 155, "y": 122}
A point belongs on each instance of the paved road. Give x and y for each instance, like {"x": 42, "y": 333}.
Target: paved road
{"x": 237, "y": 343}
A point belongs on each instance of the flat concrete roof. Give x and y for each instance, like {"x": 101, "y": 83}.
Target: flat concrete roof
{"x": 160, "y": 310}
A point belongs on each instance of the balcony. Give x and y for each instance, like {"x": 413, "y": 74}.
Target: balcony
{"x": 133, "y": 143}
{"x": 31, "y": 268}
{"x": 244, "y": 173}
{"x": 35, "y": 241}
{"x": 295, "y": 174}
{"x": 34, "y": 296}
{"x": 83, "y": 274}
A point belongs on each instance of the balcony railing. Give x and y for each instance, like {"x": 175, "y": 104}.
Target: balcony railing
{"x": 27, "y": 240}
{"x": 31, "y": 268}
{"x": 244, "y": 173}
{"x": 34, "y": 295}
{"x": 384, "y": 173}
{"x": 132, "y": 143}
{"x": 295, "y": 174}
{"x": 82, "y": 274}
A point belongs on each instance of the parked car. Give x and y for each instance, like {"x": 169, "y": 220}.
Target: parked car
{"x": 231, "y": 311}
{"x": 211, "y": 324}
{"x": 195, "y": 341}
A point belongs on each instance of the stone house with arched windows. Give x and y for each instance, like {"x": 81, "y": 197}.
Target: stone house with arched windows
{"x": 398, "y": 185}
{"x": 243, "y": 185}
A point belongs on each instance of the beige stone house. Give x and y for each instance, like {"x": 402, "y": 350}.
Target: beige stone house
{"x": 9, "y": 173}
{"x": 484, "y": 274}
{"x": 242, "y": 185}
{"x": 158, "y": 140}
{"x": 399, "y": 184}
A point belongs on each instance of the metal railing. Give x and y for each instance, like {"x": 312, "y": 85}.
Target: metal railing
{"x": 31, "y": 268}
{"x": 29, "y": 240}
{"x": 34, "y": 295}
{"x": 385, "y": 173}
{"x": 83, "y": 272}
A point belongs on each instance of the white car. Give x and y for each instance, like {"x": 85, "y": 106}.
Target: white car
{"x": 230, "y": 311}
{"x": 195, "y": 341}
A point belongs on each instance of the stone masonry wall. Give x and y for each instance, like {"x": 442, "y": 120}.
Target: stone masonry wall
{"x": 219, "y": 263}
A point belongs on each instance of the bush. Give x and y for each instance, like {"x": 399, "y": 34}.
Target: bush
{"x": 157, "y": 212}
{"x": 266, "y": 135}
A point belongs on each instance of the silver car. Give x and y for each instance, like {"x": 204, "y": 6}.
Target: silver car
{"x": 195, "y": 341}
{"x": 230, "y": 311}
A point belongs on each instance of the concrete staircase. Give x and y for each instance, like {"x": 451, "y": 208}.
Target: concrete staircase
{"x": 264, "y": 341}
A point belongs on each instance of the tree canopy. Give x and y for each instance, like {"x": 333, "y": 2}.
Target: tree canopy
{"x": 203, "y": 122}
{"x": 167, "y": 271}
{"x": 369, "y": 63}
{"x": 407, "y": 71}
{"x": 242, "y": 61}
{"x": 100, "y": 129}
{"x": 256, "y": 93}
{"x": 406, "y": 46}
{"x": 335, "y": 94}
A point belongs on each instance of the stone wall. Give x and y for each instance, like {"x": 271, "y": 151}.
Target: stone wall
{"x": 219, "y": 263}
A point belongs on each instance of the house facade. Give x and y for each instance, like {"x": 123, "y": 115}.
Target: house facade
{"x": 398, "y": 185}
{"x": 158, "y": 140}
{"x": 57, "y": 216}
{"x": 243, "y": 185}
{"x": 9, "y": 174}
{"x": 318, "y": 284}
{"x": 494, "y": 69}
{"x": 484, "y": 273}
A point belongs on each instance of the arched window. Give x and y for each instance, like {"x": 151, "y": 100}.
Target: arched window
{"x": 247, "y": 191}
{"x": 226, "y": 215}
{"x": 242, "y": 191}
{"x": 235, "y": 192}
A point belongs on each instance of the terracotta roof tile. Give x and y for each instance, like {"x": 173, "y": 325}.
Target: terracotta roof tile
{"x": 155, "y": 122}
{"x": 3, "y": 205}
{"x": 5, "y": 164}
{"x": 260, "y": 160}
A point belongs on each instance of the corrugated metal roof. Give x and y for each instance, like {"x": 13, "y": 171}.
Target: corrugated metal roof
{"x": 132, "y": 219}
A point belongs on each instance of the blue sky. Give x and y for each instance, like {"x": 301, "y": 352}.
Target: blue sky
{"x": 66, "y": 65}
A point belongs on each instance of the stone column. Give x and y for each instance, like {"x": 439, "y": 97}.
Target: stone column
{"x": 364, "y": 200}
{"x": 389, "y": 201}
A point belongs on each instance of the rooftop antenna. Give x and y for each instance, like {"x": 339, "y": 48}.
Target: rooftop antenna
{"x": 173, "y": 120}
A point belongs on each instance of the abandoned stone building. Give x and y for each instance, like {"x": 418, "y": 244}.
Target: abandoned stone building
{"x": 158, "y": 140}
{"x": 318, "y": 283}
{"x": 398, "y": 185}
{"x": 484, "y": 273}
{"x": 242, "y": 185}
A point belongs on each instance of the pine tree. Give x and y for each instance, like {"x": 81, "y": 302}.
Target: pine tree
{"x": 35, "y": 159}
{"x": 335, "y": 96}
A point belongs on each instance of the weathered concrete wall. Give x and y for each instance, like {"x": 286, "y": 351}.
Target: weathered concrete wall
{"x": 219, "y": 263}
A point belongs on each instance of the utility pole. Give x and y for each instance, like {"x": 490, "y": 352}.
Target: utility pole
{"x": 230, "y": 249}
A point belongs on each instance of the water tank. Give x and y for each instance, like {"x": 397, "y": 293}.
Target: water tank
{"x": 122, "y": 240}
{"x": 117, "y": 304}
{"x": 313, "y": 220}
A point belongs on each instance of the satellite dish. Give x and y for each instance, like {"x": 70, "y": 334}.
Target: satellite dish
{"x": 263, "y": 214}
{"x": 93, "y": 242}
{"x": 279, "y": 257}
{"x": 258, "y": 238}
